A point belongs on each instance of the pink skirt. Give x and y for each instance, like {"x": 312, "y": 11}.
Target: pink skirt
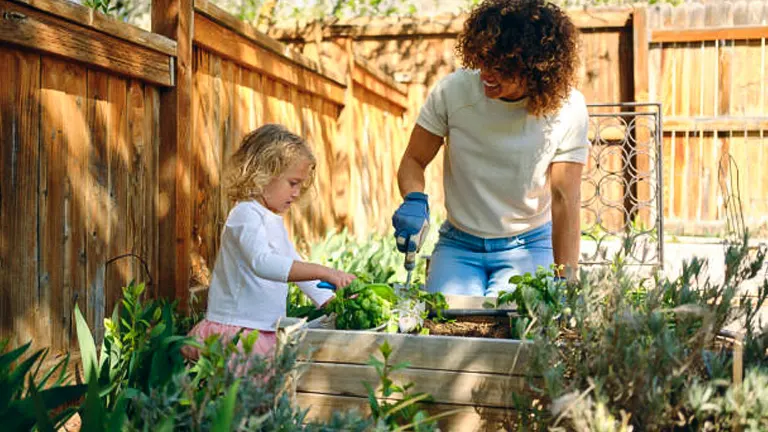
{"x": 202, "y": 330}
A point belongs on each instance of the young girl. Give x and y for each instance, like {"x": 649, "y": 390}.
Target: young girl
{"x": 272, "y": 169}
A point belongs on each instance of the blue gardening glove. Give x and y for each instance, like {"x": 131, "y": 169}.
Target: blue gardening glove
{"x": 409, "y": 219}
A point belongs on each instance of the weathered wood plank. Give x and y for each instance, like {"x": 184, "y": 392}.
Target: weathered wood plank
{"x": 99, "y": 216}
{"x": 42, "y": 31}
{"x": 20, "y": 138}
{"x": 451, "y": 387}
{"x": 712, "y": 124}
{"x": 497, "y": 356}
{"x": 175, "y": 19}
{"x": 366, "y": 27}
{"x": 206, "y": 107}
{"x": 245, "y": 52}
{"x": 85, "y": 16}
{"x": 138, "y": 177}
{"x": 230, "y": 140}
{"x": 79, "y": 149}
{"x": 708, "y": 34}
{"x": 64, "y": 129}
{"x": 373, "y": 80}
{"x": 465, "y": 419}
{"x": 222, "y": 17}
{"x": 120, "y": 156}
{"x": 152, "y": 132}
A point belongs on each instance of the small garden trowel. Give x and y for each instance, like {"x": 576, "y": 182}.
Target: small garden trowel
{"x": 410, "y": 256}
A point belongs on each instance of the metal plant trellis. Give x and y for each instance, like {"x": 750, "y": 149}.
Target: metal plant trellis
{"x": 622, "y": 187}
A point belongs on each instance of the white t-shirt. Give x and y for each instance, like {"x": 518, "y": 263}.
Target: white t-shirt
{"x": 497, "y": 156}
{"x": 249, "y": 283}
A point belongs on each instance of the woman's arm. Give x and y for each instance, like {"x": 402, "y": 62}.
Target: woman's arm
{"x": 422, "y": 149}
{"x": 565, "y": 182}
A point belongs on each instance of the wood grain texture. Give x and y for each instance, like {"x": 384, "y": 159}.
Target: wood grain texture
{"x": 709, "y": 34}
{"x": 223, "y": 18}
{"x": 41, "y": 31}
{"x": 20, "y": 309}
{"x": 64, "y": 131}
{"x": 119, "y": 272}
{"x": 99, "y": 215}
{"x": 233, "y": 46}
{"x": 451, "y": 387}
{"x": 87, "y": 17}
{"x": 175, "y": 19}
{"x": 363, "y": 27}
{"x": 463, "y": 418}
{"x": 493, "y": 356}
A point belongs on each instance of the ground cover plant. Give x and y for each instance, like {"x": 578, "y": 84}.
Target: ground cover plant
{"x": 615, "y": 351}
{"x": 138, "y": 380}
{"x": 623, "y": 352}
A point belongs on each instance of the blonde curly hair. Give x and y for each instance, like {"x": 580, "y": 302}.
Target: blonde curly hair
{"x": 265, "y": 153}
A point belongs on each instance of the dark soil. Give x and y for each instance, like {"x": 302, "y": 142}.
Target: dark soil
{"x": 483, "y": 327}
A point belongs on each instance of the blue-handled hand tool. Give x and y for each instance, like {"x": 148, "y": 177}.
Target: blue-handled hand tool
{"x": 326, "y": 285}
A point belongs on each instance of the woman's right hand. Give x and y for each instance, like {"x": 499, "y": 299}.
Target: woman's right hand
{"x": 339, "y": 278}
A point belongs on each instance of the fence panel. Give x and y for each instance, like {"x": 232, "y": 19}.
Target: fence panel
{"x": 707, "y": 66}
{"x": 79, "y": 165}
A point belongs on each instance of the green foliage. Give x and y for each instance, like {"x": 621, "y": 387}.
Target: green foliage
{"x": 374, "y": 260}
{"x": 624, "y": 351}
{"x": 27, "y": 397}
{"x": 104, "y": 6}
{"x": 300, "y": 306}
{"x": 138, "y": 384}
{"x": 362, "y": 305}
{"x": 540, "y": 293}
{"x": 141, "y": 347}
{"x": 232, "y": 388}
{"x": 404, "y": 414}
{"x": 120, "y": 9}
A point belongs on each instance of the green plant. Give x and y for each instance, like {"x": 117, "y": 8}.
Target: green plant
{"x": 232, "y": 388}
{"x": 228, "y": 388}
{"x": 404, "y": 414}
{"x": 300, "y": 306}
{"x": 540, "y": 293}
{"x": 141, "y": 347}
{"x": 107, "y": 7}
{"x": 28, "y": 398}
{"x": 362, "y": 305}
{"x": 624, "y": 351}
{"x": 416, "y": 305}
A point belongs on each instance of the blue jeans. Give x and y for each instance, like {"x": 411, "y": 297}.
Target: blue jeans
{"x": 464, "y": 264}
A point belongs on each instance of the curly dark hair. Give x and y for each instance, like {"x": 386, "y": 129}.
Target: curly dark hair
{"x": 531, "y": 39}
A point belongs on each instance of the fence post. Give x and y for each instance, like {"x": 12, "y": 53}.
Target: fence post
{"x": 640, "y": 188}
{"x": 640, "y": 53}
{"x": 175, "y": 19}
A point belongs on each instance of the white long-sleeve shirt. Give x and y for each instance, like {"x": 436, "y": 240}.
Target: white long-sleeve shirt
{"x": 249, "y": 283}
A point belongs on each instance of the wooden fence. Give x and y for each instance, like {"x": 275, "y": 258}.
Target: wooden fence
{"x": 705, "y": 63}
{"x": 79, "y": 125}
{"x": 114, "y": 139}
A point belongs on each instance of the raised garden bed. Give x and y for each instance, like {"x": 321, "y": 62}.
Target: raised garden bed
{"x": 474, "y": 375}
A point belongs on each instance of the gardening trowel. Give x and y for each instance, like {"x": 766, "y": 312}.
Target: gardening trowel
{"x": 410, "y": 256}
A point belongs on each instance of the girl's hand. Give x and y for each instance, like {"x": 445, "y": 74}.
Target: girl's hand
{"x": 339, "y": 278}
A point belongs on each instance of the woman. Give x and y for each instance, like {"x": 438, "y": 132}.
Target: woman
{"x": 515, "y": 132}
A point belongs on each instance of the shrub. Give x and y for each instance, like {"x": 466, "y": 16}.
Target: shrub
{"x": 626, "y": 351}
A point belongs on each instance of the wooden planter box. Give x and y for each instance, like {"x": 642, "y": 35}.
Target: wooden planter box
{"x": 474, "y": 375}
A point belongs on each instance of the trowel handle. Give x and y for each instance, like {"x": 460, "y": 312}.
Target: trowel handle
{"x": 326, "y": 285}
{"x": 417, "y": 239}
